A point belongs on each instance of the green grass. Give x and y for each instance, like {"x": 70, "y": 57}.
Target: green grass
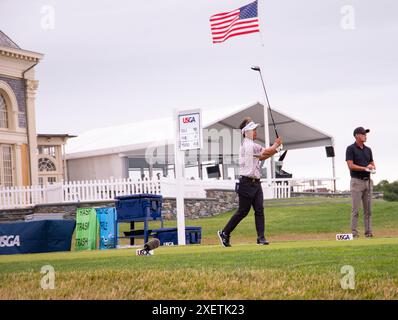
{"x": 308, "y": 218}
{"x": 290, "y": 268}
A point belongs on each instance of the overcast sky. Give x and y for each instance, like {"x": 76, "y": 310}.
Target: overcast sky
{"x": 113, "y": 62}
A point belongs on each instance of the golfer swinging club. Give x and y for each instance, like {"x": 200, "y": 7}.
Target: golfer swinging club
{"x": 249, "y": 187}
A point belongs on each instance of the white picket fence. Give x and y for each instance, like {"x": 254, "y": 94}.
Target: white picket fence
{"x": 280, "y": 189}
{"x": 19, "y": 197}
{"x": 102, "y": 190}
{"x": 197, "y": 188}
{"x": 75, "y": 191}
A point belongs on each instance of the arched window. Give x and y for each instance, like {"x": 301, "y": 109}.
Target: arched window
{"x": 46, "y": 164}
{"x": 3, "y": 113}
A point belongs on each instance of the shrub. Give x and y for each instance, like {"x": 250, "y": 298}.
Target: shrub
{"x": 381, "y": 186}
{"x": 390, "y": 190}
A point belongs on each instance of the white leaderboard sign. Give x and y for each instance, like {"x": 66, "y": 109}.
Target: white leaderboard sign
{"x": 190, "y": 130}
{"x": 188, "y": 136}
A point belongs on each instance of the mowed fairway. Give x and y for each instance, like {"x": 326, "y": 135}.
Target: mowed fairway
{"x": 302, "y": 262}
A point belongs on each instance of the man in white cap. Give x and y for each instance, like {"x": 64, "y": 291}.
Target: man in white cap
{"x": 360, "y": 162}
{"x": 249, "y": 188}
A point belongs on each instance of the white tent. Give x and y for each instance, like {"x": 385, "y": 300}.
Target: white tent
{"x": 295, "y": 133}
{"x": 135, "y": 137}
{"x": 146, "y": 147}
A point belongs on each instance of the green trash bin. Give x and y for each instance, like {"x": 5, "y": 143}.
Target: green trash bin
{"x": 86, "y": 229}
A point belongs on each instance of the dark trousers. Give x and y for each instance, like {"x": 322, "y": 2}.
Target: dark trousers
{"x": 250, "y": 194}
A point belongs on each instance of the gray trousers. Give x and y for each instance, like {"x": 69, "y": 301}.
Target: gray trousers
{"x": 361, "y": 191}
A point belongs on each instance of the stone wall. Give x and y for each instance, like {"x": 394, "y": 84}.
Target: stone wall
{"x": 14, "y": 214}
{"x": 69, "y": 209}
{"x": 217, "y": 201}
{"x": 227, "y": 199}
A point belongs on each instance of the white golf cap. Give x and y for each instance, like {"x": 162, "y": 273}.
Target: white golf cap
{"x": 250, "y": 126}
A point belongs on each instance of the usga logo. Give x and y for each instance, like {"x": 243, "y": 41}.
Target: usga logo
{"x": 168, "y": 243}
{"x": 344, "y": 236}
{"x": 188, "y": 119}
{"x": 9, "y": 241}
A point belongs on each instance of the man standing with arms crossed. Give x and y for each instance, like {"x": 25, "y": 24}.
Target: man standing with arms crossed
{"x": 360, "y": 162}
{"x": 250, "y": 190}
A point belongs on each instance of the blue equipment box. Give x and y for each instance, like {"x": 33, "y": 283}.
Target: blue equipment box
{"x": 169, "y": 236}
{"x": 139, "y": 207}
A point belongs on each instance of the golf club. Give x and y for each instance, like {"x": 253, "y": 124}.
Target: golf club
{"x": 257, "y": 68}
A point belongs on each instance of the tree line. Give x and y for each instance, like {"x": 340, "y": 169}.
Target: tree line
{"x": 390, "y": 190}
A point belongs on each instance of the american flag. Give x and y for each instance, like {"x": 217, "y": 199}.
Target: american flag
{"x": 234, "y": 23}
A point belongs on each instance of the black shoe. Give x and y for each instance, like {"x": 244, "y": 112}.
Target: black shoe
{"x": 224, "y": 238}
{"x": 355, "y": 235}
{"x": 262, "y": 241}
{"x": 369, "y": 235}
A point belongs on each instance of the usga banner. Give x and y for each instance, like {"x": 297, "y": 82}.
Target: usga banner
{"x": 36, "y": 236}
{"x": 86, "y": 229}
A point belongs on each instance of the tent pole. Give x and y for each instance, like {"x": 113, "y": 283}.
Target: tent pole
{"x": 334, "y": 174}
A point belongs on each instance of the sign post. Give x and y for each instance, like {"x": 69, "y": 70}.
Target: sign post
{"x": 188, "y": 136}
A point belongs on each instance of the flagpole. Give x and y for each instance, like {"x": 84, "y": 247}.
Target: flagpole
{"x": 261, "y": 39}
{"x": 259, "y": 22}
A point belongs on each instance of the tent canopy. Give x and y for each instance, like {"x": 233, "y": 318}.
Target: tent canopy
{"x": 132, "y": 138}
{"x": 295, "y": 134}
